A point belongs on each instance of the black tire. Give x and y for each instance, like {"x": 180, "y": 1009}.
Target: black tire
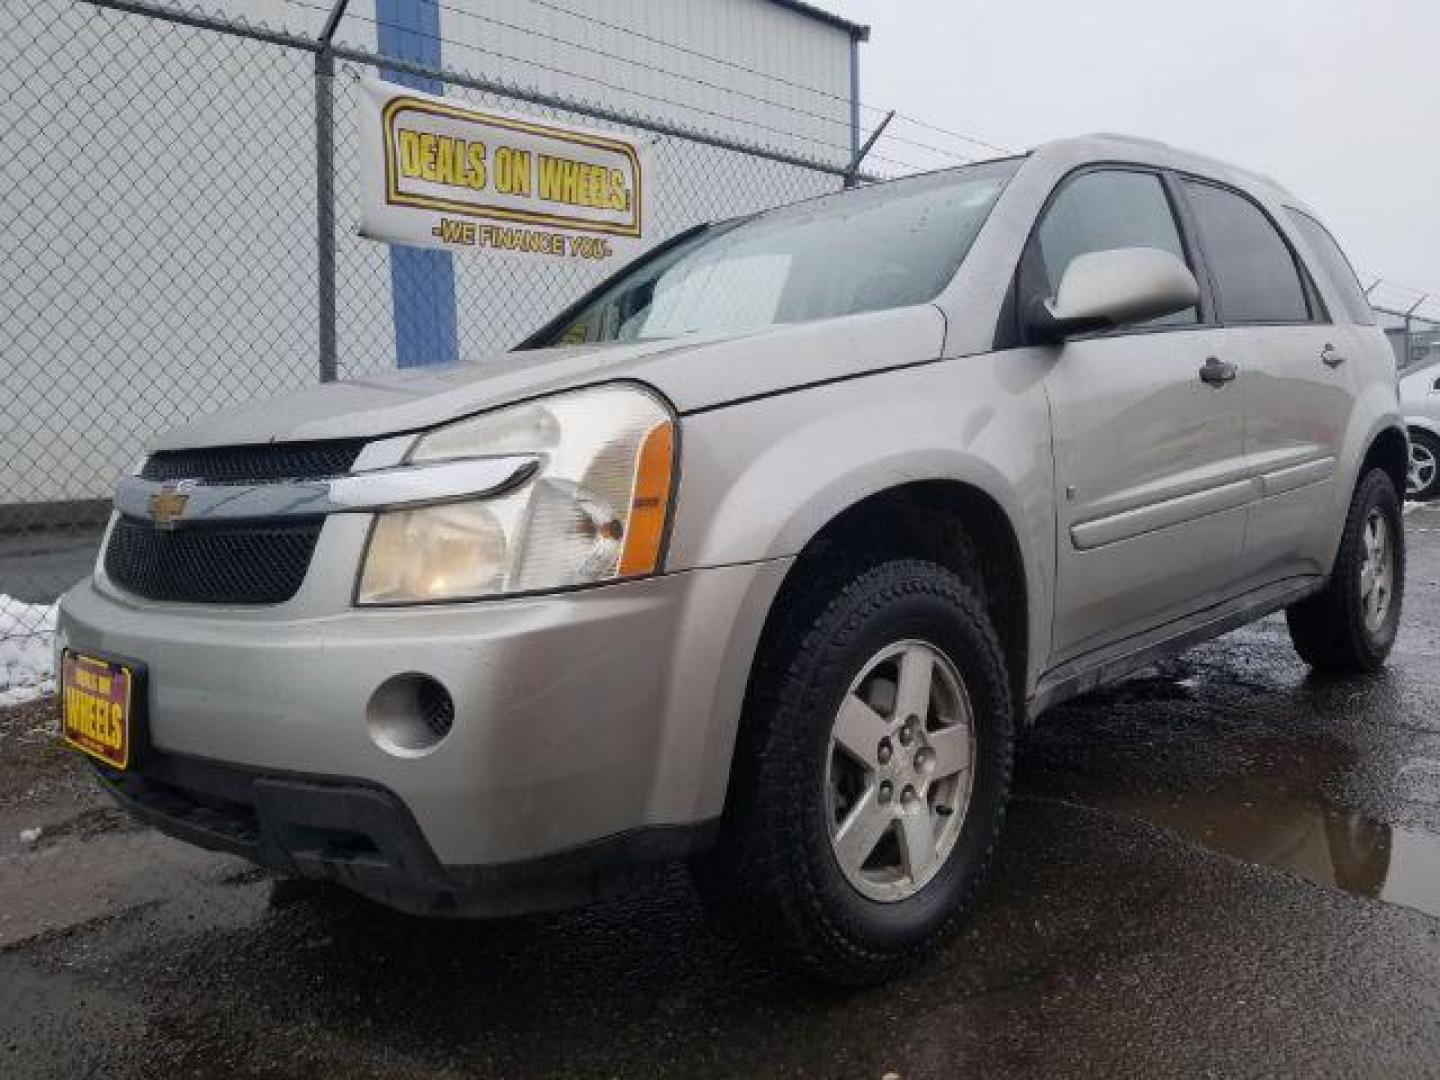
{"x": 773, "y": 873}
{"x": 1329, "y": 629}
{"x": 1428, "y": 444}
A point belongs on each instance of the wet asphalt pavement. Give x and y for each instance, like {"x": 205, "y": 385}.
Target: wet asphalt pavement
{"x": 1222, "y": 867}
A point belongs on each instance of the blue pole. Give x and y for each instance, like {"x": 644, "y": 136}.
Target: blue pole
{"x": 422, "y": 282}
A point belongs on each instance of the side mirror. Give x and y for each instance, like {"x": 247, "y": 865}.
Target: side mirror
{"x": 1103, "y": 290}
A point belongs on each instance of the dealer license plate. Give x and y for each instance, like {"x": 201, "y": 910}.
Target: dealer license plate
{"x": 97, "y": 699}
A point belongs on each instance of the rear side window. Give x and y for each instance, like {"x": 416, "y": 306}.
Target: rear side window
{"x": 1105, "y": 210}
{"x": 1336, "y": 266}
{"x": 1254, "y": 273}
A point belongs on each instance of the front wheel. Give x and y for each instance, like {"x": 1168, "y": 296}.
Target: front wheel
{"x": 1351, "y": 625}
{"x": 871, "y": 776}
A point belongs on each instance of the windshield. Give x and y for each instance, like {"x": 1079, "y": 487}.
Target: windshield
{"x": 885, "y": 246}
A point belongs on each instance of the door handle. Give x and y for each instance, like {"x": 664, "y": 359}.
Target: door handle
{"x": 1216, "y": 372}
{"x": 1330, "y": 357}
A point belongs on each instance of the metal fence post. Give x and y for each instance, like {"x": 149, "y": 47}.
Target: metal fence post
{"x": 852, "y": 172}
{"x": 1409, "y": 317}
{"x": 325, "y": 190}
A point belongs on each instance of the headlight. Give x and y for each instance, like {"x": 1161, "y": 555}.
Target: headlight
{"x": 594, "y": 510}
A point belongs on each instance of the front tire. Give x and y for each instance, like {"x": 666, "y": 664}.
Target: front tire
{"x": 871, "y": 774}
{"x": 1350, "y": 627}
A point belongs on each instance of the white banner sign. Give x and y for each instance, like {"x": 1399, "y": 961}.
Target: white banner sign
{"x": 439, "y": 173}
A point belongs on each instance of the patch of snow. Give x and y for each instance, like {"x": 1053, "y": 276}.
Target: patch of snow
{"x": 27, "y": 643}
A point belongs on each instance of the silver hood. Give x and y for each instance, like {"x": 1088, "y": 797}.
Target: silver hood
{"x": 692, "y": 373}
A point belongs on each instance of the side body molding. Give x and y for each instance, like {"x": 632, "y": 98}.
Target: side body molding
{"x": 1261, "y": 479}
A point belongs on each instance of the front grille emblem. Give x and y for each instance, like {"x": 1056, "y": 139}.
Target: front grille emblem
{"x": 167, "y": 506}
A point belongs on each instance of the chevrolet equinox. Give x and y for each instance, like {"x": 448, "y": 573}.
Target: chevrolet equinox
{"x": 758, "y": 555}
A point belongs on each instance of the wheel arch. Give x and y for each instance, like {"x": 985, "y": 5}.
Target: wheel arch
{"x": 1389, "y": 449}
{"x": 957, "y": 524}
{"x": 1376, "y": 435}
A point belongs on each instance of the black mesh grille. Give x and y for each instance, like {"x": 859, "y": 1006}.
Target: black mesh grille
{"x": 436, "y": 707}
{"x": 254, "y": 464}
{"x": 250, "y": 563}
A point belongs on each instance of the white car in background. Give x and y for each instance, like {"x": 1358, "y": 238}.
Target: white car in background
{"x": 1420, "y": 402}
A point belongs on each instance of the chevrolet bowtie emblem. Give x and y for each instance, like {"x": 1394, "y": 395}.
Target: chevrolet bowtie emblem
{"x": 167, "y": 506}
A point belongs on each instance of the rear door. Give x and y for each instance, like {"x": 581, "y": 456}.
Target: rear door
{"x": 1149, "y": 456}
{"x": 1300, "y": 382}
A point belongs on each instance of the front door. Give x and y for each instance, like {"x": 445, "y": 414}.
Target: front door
{"x": 1151, "y": 486}
{"x": 1148, "y": 424}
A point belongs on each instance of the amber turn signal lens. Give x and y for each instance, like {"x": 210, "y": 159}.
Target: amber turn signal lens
{"x": 650, "y": 501}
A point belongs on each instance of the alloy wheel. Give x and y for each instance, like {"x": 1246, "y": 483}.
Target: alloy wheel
{"x": 1422, "y": 469}
{"x": 900, "y": 771}
{"x": 1377, "y": 571}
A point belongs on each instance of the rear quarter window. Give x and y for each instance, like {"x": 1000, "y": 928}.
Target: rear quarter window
{"x": 1335, "y": 265}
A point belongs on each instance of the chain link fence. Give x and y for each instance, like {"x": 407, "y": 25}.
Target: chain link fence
{"x": 162, "y": 256}
{"x": 1410, "y": 319}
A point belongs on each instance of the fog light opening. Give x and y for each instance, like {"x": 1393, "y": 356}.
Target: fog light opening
{"x": 409, "y": 715}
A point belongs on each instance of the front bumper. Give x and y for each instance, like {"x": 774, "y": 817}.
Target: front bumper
{"x": 581, "y": 719}
{"x": 363, "y": 837}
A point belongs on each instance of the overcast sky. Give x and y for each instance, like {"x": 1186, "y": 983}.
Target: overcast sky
{"x": 1339, "y": 100}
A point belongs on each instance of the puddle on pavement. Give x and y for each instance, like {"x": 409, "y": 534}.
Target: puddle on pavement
{"x": 1335, "y": 848}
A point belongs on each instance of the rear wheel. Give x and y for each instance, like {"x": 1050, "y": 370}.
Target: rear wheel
{"x": 1351, "y": 626}
{"x": 1423, "y": 480}
{"x": 871, "y": 776}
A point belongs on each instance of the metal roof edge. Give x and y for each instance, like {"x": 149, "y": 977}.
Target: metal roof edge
{"x": 856, "y": 30}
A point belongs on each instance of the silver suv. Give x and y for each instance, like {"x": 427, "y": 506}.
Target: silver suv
{"x": 758, "y": 555}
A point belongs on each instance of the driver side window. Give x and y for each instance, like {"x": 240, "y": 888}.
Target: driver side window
{"x": 1105, "y": 210}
